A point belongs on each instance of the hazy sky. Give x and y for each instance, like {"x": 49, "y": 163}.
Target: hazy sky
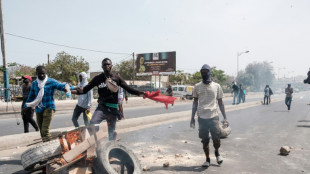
{"x": 200, "y": 31}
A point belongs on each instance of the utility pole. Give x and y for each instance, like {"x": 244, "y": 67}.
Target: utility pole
{"x": 5, "y": 67}
{"x": 48, "y": 58}
{"x": 133, "y": 65}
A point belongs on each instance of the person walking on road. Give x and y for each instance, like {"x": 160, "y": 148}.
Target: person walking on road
{"x": 27, "y": 113}
{"x": 289, "y": 96}
{"x": 41, "y": 96}
{"x": 207, "y": 94}
{"x": 235, "y": 92}
{"x": 270, "y": 94}
{"x": 241, "y": 94}
{"x": 169, "y": 91}
{"x": 266, "y": 94}
{"x": 84, "y": 102}
{"x": 107, "y": 109}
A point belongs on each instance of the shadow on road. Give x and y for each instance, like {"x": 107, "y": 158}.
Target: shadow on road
{"x": 306, "y": 126}
{"x": 191, "y": 169}
{"x": 304, "y": 121}
{"x": 281, "y": 111}
{"x": 17, "y": 162}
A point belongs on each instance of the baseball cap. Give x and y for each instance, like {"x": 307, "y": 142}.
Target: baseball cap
{"x": 27, "y": 77}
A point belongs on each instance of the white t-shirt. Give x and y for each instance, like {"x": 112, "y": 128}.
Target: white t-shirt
{"x": 207, "y": 95}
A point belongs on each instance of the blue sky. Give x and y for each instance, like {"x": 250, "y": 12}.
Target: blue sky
{"x": 200, "y": 31}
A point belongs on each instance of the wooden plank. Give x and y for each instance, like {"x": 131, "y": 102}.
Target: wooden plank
{"x": 80, "y": 170}
{"x": 80, "y": 148}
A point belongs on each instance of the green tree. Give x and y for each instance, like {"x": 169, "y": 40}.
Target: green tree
{"x": 179, "y": 78}
{"x": 66, "y": 67}
{"x": 217, "y": 76}
{"x": 126, "y": 70}
{"x": 257, "y": 75}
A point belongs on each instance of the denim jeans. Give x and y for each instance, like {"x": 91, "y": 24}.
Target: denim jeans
{"x": 236, "y": 96}
{"x": 103, "y": 112}
{"x": 288, "y": 101}
{"x": 76, "y": 114}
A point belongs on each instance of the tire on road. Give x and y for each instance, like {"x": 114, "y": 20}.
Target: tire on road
{"x": 123, "y": 157}
{"x": 40, "y": 153}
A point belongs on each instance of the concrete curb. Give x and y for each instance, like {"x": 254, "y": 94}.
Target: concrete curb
{"x": 18, "y": 140}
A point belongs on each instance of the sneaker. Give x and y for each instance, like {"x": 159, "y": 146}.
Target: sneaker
{"x": 219, "y": 160}
{"x": 206, "y": 164}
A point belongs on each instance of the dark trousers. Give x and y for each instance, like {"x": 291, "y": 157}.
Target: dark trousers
{"x": 103, "y": 112}
{"x": 44, "y": 120}
{"x": 288, "y": 101}
{"x": 76, "y": 114}
{"x": 27, "y": 116}
{"x": 207, "y": 126}
{"x": 266, "y": 98}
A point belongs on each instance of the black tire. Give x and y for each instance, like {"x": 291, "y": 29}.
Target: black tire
{"x": 125, "y": 159}
{"x": 40, "y": 153}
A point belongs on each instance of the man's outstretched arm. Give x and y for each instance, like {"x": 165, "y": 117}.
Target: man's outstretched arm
{"x": 194, "y": 109}
{"x": 222, "y": 108}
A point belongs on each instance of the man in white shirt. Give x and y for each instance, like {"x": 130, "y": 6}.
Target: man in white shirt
{"x": 207, "y": 95}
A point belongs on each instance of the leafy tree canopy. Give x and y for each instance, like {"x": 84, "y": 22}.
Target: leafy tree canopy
{"x": 65, "y": 67}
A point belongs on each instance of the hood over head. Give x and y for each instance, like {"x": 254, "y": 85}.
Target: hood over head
{"x": 84, "y": 79}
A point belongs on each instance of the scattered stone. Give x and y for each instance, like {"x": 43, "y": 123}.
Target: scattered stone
{"x": 17, "y": 147}
{"x": 170, "y": 126}
{"x": 146, "y": 168}
{"x": 143, "y": 156}
{"x": 159, "y": 150}
{"x": 285, "y": 150}
{"x": 178, "y": 155}
{"x": 185, "y": 141}
{"x": 160, "y": 157}
{"x": 188, "y": 158}
{"x": 166, "y": 164}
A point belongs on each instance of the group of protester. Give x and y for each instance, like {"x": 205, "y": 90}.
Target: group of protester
{"x": 41, "y": 99}
{"x": 112, "y": 91}
{"x": 238, "y": 93}
{"x": 39, "y": 96}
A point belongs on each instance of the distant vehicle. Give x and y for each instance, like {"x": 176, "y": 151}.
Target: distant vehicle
{"x": 185, "y": 91}
{"x": 163, "y": 90}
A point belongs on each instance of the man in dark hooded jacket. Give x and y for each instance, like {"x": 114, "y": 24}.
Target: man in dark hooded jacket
{"x": 207, "y": 95}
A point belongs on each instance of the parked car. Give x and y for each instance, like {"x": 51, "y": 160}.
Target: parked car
{"x": 185, "y": 91}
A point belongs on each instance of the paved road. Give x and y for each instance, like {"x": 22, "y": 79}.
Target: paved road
{"x": 62, "y": 119}
{"x": 253, "y": 147}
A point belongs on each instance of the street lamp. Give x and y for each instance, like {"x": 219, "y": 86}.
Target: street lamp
{"x": 239, "y": 54}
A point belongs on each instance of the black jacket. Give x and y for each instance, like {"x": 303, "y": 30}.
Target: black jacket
{"x": 105, "y": 95}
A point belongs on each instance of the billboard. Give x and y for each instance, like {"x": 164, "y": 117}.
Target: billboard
{"x": 160, "y": 63}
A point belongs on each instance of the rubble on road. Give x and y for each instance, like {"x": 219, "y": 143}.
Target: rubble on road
{"x": 146, "y": 168}
{"x": 178, "y": 155}
{"x": 285, "y": 150}
{"x": 166, "y": 164}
